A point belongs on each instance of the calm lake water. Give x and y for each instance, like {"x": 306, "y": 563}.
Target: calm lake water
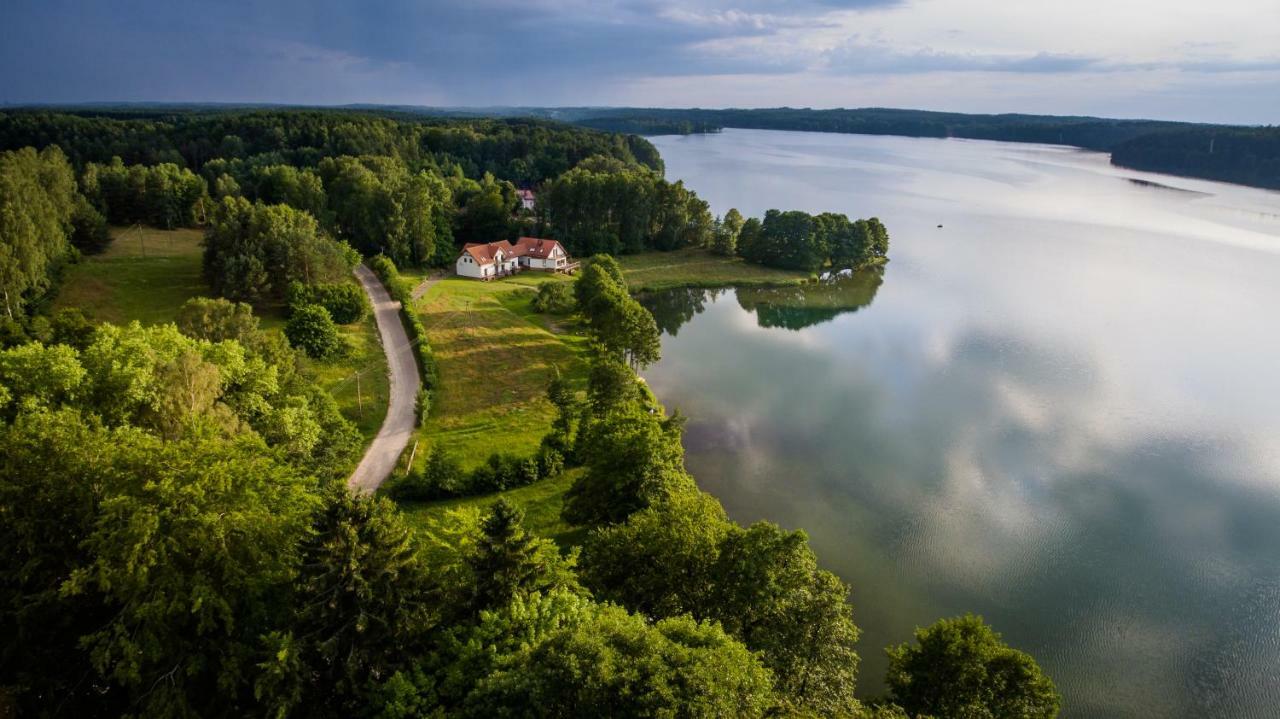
{"x": 1060, "y": 410}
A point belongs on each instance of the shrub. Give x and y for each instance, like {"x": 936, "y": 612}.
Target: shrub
{"x": 89, "y": 231}
{"x": 422, "y": 405}
{"x": 550, "y": 462}
{"x": 441, "y": 478}
{"x": 554, "y": 297}
{"x": 346, "y": 302}
{"x": 216, "y": 319}
{"x": 502, "y": 472}
{"x": 399, "y": 290}
{"x": 71, "y": 327}
{"x": 311, "y": 329}
{"x": 384, "y": 268}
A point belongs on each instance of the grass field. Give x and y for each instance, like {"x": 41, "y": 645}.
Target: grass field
{"x": 365, "y": 402}
{"x": 540, "y": 501}
{"x": 496, "y": 356}
{"x": 699, "y": 268}
{"x": 147, "y": 274}
{"x": 143, "y": 275}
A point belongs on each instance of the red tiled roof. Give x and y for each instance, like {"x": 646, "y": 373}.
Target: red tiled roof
{"x": 484, "y": 254}
{"x": 525, "y": 194}
{"x": 525, "y": 246}
{"x": 535, "y": 247}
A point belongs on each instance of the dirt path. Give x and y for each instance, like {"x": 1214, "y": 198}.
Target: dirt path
{"x": 426, "y": 284}
{"x": 397, "y": 428}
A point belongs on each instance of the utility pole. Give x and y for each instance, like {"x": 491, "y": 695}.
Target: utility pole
{"x": 359, "y": 396}
{"x": 409, "y": 467}
{"x": 142, "y": 243}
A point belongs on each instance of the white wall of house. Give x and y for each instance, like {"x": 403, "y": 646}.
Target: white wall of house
{"x": 557, "y": 259}
{"x": 467, "y": 267}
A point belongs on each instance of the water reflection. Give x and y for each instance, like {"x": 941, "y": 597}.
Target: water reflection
{"x": 797, "y": 307}
{"x": 1135, "y": 567}
{"x": 1058, "y": 412}
{"x": 793, "y": 307}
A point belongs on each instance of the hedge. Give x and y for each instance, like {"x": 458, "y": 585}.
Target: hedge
{"x": 400, "y": 291}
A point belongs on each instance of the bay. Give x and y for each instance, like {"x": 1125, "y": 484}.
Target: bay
{"x": 1058, "y": 406}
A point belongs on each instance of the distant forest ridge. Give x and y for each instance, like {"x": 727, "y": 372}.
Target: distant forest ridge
{"x": 1229, "y": 153}
{"x": 1243, "y": 155}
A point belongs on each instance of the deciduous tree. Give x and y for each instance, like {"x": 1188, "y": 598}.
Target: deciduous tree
{"x": 960, "y": 668}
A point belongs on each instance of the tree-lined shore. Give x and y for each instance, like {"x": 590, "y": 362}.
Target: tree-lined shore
{"x": 181, "y": 540}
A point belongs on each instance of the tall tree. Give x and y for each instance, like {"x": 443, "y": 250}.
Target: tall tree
{"x": 508, "y": 562}
{"x": 960, "y": 668}
{"x": 633, "y": 459}
{"x": 364, "y": 603}
{"x": 725, "y": 239}
{"x": 37, "y": 201}
{"x": 574, "y": 658}
{"x": 253, "y": 251}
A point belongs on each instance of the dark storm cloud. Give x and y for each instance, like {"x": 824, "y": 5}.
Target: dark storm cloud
{"x": 564, "y": 52}
{"x": 331, "y": 51}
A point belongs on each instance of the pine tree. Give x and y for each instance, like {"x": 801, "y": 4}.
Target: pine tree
{"x": 507, "y": 560}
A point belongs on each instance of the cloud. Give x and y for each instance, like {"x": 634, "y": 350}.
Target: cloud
{"x": 882, "y": 58}
{"x": 571, "y": 52}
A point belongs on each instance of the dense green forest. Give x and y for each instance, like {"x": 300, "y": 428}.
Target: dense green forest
{"x": 180, "y": 541}
{"x": 520, "y": 150}
{"x": 1248, "y": 156}
{"x": 1245, "y": 155}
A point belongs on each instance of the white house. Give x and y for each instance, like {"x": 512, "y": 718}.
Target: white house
{"x": 497, "y": 259}
{"x": 526, "y": 199}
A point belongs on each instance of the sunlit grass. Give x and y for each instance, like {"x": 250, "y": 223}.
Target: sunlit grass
{"x": 146, "y": 274}
{"x": 496, "y": 356}
{"x": 541, "y": 502}
{"x": 700, "y": 268}
{"x": 362, "y": 401}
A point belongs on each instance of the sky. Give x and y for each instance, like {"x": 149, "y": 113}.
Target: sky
{"x": 1193, "y": 60}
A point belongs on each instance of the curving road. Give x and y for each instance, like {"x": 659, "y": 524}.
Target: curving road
{"x": 397, "y": 428}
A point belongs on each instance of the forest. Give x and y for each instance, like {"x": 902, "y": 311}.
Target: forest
{"x": 180, "y": 541}
{"x": 1246, "y": 156}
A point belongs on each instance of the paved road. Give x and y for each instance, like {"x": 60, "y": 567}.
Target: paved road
{"x": 397, "y": 428}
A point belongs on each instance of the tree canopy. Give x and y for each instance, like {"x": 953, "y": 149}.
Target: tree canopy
{"x": 37, "y": 201}
{"x": 959, "y": 667}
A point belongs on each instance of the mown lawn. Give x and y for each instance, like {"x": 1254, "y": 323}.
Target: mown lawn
{"x": 699, "y": 268}
{"x": 496, "y": 356}
{"x": 143, "y": 275}
{"x": 541, "y": 502}
{"x": 147, "y": 274}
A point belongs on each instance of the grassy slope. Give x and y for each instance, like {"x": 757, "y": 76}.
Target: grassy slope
{"x": 146, "y": 276}
{"x": 496, "y": 356}
{"x": 541, "y": 502}
{"x": 699, "y": 268}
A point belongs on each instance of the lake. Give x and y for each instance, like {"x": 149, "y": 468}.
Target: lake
{"x": 1059, "y": 407}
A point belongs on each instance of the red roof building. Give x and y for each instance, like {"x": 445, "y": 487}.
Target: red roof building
{"x": 495, "y": 259}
